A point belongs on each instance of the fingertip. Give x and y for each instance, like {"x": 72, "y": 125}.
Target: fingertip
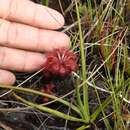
{"x": 7, "y": 77}
{"x": 55, "y": 19}
{"x": 61, "y": 20}
{"x": 63, "y": 41}
{"x": 50, "y": 40}
{"x": 48, "y": 18}
{"x": 67, "y": 40}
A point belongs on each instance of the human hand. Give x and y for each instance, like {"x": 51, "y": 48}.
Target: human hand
{"x": 26, "y": 30}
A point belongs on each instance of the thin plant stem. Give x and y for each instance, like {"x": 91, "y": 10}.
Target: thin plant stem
{"x": 31, "y": 91}
{"x": 100, "y": 104}
{"x": 49, "y": 110}
{"x": 83, "y": 62}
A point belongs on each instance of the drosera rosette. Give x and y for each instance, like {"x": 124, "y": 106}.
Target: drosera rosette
{"x": 60, "y": 63}
{"x": 48, "y": 88}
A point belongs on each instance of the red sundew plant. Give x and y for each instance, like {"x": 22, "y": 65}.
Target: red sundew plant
{"x": 60, "y": 62}
{"x": 48, "y": 88}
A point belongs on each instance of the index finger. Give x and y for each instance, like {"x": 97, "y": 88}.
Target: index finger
{"x": 30, "y": 13}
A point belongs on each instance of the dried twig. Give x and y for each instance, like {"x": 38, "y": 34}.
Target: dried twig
{"x": 5, "y": 127}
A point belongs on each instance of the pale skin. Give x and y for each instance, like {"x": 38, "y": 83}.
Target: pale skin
{"x": 27, "y": 32}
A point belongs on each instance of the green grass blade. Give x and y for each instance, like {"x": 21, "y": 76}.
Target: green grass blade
{"x": 31, "y": 91}
{"x": 49, "y": 110}
{"x": 83, "y": 62}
